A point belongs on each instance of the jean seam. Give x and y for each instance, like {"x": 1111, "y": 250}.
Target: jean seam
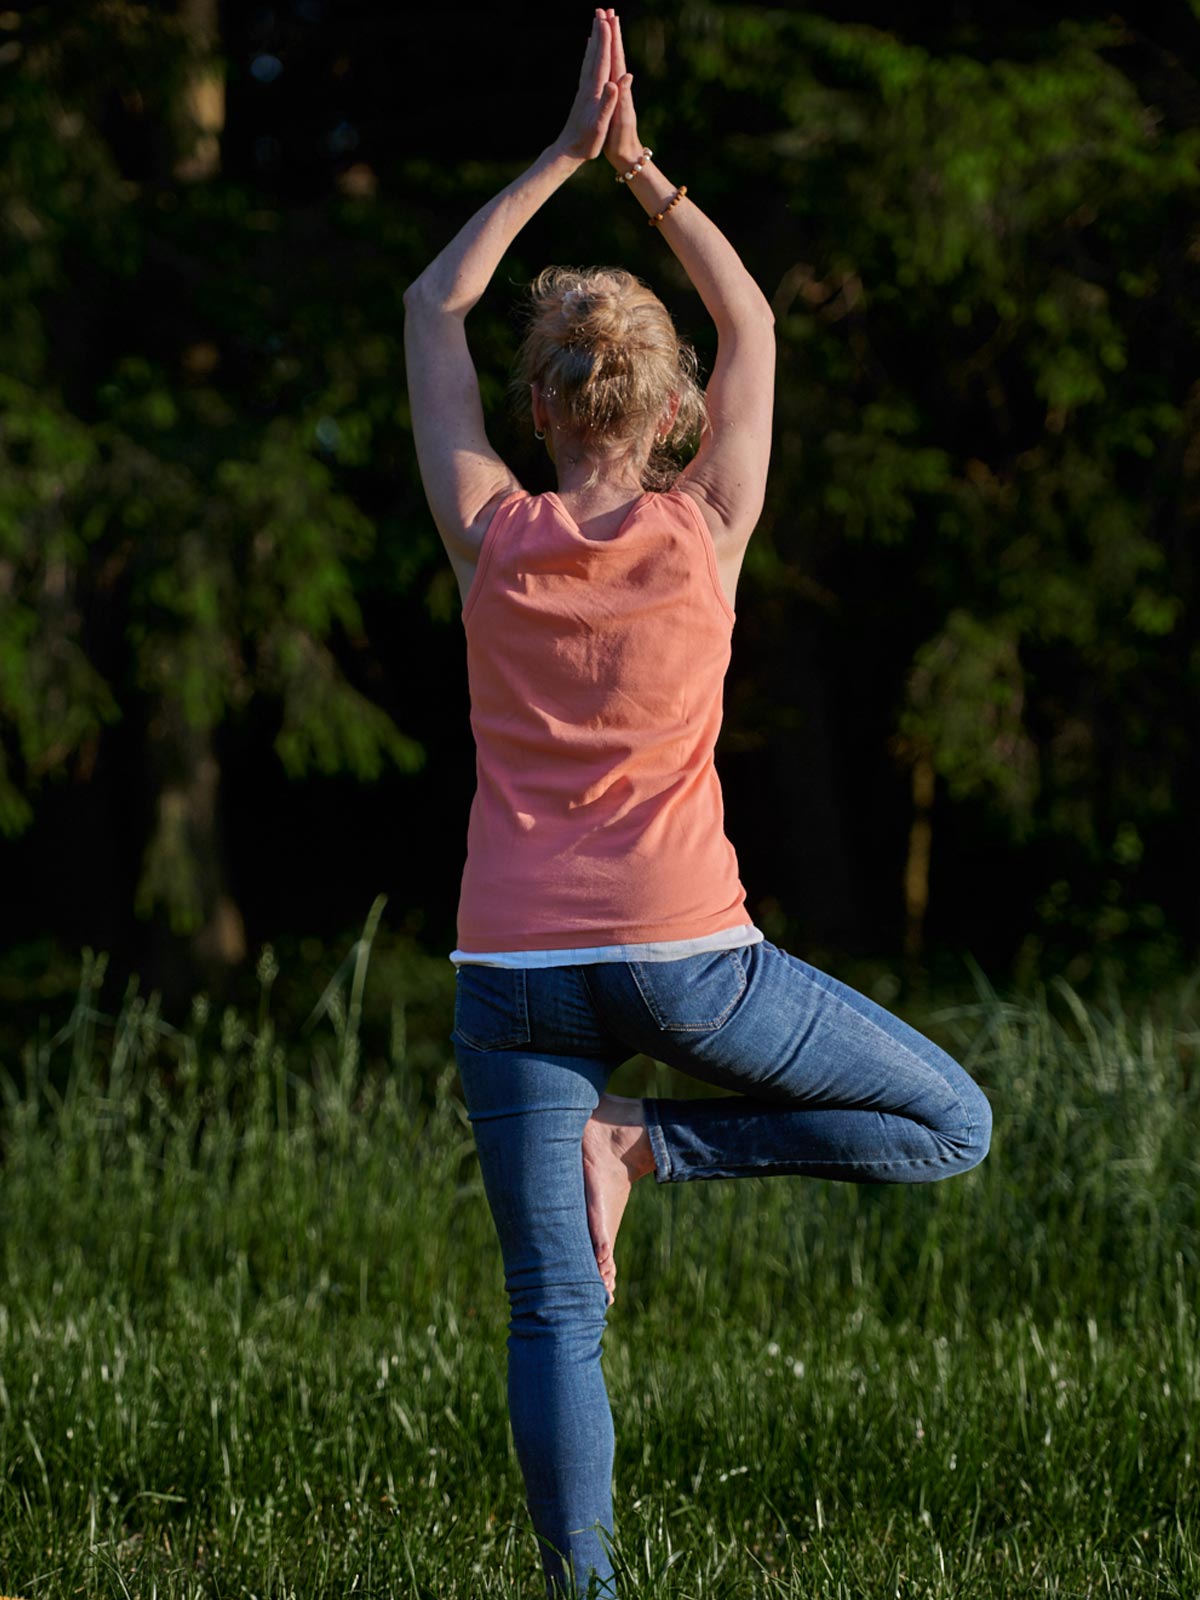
{"x": 519, "y": 1031}
{"x": 505, "y": 1043}
{"x": 663, "y": 1166}
{"x": 753, "y": 1166}
{"x": 691, "y": 1027}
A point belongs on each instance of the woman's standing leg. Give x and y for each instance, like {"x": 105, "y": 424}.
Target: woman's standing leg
{"x": 528, "y": 1111}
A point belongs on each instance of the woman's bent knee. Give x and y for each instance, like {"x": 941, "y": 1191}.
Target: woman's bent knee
{"x": 973, "y": 1143}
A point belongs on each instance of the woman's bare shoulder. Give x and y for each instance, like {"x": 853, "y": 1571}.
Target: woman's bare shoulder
{"x": 729, "y": 548}
{"x": 464, "y": 552}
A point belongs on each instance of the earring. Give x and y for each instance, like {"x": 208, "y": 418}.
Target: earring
{"x": 538, "y": 435}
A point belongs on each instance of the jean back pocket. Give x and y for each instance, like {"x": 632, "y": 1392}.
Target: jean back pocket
{"x": 491, "y": 1008}
{"x": 693, "y": 995}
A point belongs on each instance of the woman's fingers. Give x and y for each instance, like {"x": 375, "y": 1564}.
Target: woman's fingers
{"x": 597, "y": 59}
{"x": 588, "y": 122}
{"x": 618, "y": 48}
{"x": 608, "y": 104}
{"x": 589, "y": 55}
{"x": 604, "y": 65}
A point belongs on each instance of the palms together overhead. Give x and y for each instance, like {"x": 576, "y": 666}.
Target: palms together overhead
{"x": 621, "y": 145}
{"x": 587, "y": 123}
{"x": 601, "y": 117}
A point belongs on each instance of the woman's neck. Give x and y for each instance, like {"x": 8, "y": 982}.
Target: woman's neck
{"x": 608, "y": 492}
{"x": 614, "y": 485}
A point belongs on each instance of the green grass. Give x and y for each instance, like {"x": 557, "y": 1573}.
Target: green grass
{"x": 252, "y": 1328}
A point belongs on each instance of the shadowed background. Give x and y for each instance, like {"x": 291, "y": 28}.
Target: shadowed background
{"x": 960, "y": 716}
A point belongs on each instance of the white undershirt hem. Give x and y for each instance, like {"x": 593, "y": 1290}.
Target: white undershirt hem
{"x": 661, "y": 950}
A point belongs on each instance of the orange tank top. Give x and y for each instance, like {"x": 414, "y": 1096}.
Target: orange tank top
{"x": 596, "y": 671}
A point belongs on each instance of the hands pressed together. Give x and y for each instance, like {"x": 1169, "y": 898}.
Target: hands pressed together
{"x": 603, "y": 117}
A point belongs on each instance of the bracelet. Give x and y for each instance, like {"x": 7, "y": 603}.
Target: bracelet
{"x": 624, "y": 177}
{"x": 673, "y": 201}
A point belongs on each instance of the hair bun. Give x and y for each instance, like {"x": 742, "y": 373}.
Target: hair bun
{"x": 604, "y": 345}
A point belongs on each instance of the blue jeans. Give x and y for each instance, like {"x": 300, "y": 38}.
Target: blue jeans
{"x": 827, "y": 1085}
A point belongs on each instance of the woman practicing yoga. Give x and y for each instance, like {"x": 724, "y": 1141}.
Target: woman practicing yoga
{"x": 601, "y": 912}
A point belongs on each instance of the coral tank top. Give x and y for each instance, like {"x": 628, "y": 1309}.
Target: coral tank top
{"x": 596, "y": 670}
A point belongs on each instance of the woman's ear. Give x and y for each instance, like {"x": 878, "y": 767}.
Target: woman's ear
{"x": 667, "y": 422}
{"x": 541, "y": 421}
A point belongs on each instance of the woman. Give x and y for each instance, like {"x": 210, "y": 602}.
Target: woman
{"x": 601, "y": 913}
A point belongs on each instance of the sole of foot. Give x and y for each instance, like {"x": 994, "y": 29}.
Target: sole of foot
{"x": 616, "y": 1153}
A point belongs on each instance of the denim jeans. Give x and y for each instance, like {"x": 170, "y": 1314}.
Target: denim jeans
{"x": 826, "y": 1083}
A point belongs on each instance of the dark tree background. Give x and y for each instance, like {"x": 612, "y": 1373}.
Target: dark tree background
{"x": 963, "y": 700}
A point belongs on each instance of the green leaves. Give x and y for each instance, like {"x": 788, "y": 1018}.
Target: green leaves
{"x": 964, "y": 702}
{"x": 877, "y": 478}
{"x": 192, "y": 546}
{"x": 987, "y": 347}
{"x": 328, "y": 726}
{"x": 52, "y": 697}
{"x": 978, "y": 237}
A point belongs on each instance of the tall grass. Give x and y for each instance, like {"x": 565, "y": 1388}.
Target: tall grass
{"x": 252, "y": 1327}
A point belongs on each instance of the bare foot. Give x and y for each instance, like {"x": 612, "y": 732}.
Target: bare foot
{"x": 616, "y": 1153}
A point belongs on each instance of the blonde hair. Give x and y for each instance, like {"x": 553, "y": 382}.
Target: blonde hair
{"x": 604, "y": 349}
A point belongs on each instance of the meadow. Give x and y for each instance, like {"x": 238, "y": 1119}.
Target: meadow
{"x": 252, "y": 1327}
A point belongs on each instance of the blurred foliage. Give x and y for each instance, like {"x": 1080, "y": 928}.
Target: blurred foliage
{"x": 981, "y": 246}
{"x": 182, "y": 502}
{"x": 988, "y": 358}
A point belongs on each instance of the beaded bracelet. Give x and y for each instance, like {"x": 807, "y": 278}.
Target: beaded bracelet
{"x": 673, "y": 201}
{"x": 624, "y": 177}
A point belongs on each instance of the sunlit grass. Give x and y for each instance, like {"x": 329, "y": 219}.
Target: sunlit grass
{"x": 252, "y": 1329}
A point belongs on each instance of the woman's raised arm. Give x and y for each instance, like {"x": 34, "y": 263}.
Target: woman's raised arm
{"x": 729, "y": 471}
{"x": 460, "y": 471}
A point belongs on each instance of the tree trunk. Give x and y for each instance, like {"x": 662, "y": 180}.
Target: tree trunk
{"x": 196, "y": 936}
{"x": 200, "y": 115}
{"x": 920, "y": 849}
